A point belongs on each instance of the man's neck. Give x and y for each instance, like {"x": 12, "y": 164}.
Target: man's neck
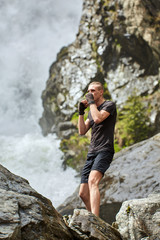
{"x": 100, "y": 101}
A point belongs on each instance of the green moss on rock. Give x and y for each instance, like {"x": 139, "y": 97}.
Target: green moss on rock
{"x": 63, "y": 53}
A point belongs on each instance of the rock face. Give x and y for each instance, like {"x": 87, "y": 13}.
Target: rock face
{"x": 118, "y": 43}
{"x": 87, "y": 226}
{"x": 140, "y": 218}
{"x": 134, "y": 173}
{"x": 25, "y": 214}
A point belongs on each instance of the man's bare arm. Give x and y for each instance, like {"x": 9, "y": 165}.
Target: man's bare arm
{"x": 98, "y": 116}
{"x": 83, "y": 126}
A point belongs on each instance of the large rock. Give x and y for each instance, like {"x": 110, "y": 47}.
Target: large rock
{"x": 25, "y": 214}
{"x": 134, "y": 173}
{"x": 140, "y": 218}
{"x": 88, "y": 226}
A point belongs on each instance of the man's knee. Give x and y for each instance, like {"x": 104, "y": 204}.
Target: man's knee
{"x": 82, "y": 194}
{"x": 92, "y": 182}
{"x": 94, "y": 178}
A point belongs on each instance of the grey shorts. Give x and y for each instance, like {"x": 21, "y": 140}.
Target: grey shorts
{"x": 99, "y": 161}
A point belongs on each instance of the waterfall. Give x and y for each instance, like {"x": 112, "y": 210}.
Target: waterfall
{"x": 32, "y": 33}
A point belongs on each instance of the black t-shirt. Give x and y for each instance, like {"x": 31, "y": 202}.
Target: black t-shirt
{"x": 102, "y": 137}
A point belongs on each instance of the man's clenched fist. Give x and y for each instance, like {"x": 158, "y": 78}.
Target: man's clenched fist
{"x": 90, "y": 98}
{"x": 81, "y": 108}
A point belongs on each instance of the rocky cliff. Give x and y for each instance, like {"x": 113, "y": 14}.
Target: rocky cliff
{"x": 27, "y": 215}
{"x": 118, "y": 43}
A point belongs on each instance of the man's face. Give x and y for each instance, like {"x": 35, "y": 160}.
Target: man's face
{"x": 95, "y": 91}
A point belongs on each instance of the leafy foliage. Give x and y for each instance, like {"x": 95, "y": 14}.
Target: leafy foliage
{"x": 79, "y": 145}
{"x": 133, "y": 122}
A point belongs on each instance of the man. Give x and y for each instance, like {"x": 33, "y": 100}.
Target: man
{"x": 101, "y": 118}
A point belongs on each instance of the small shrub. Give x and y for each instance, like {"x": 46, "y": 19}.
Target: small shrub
{"x": 133, "y": 122}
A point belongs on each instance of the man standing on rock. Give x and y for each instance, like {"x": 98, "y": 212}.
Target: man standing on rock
{"x": 101, "y": 119}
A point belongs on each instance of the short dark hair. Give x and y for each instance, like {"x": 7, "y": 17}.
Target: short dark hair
{"x": 99, "y": 85}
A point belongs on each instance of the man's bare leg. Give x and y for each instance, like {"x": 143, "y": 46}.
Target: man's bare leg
{"x": 85, "y": 196}
{"x": 93, "y": 183}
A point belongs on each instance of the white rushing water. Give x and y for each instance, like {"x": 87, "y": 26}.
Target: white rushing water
{"x": 31, "y": 34}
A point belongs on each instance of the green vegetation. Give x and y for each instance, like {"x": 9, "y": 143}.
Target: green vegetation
{"x": 133, "y": 123}
{"x": 79, "y": 145}
{"x": 96, "y": 56}
{"x": 105, "y": 2}
{"x": 117, "y": 147}
{"x": 128, "y": 210}
{"x": 106, "y": 93}
{"x": 63, "y": 53}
